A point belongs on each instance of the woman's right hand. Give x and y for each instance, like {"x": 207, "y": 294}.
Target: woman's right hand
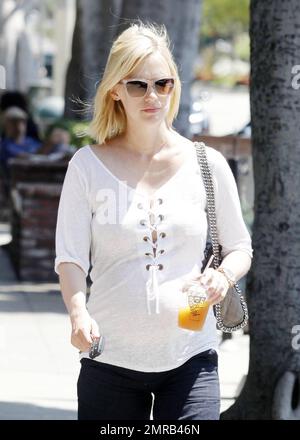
{"x": 84, "y": 328}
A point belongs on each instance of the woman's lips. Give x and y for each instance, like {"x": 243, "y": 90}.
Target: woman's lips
{"x": 151, "y": 110}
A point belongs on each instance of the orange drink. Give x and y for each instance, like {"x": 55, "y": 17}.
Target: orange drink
{"x": 193, "y": 312}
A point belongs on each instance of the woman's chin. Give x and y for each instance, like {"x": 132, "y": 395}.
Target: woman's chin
{"x": 152, "y": 117}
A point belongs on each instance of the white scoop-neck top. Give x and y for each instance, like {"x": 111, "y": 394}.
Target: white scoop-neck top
{"x": 105, "y": 225}
{"x": 122, "y": 182}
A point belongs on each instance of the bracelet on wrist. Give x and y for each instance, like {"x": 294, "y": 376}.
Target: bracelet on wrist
{"x": 227, "y": 275}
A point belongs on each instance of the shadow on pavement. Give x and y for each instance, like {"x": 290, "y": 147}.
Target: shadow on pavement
{"x": 28, "y": 411}
{"x": 15, "y": 299}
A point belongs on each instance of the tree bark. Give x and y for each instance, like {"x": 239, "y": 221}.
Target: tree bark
{"x": 182, "y": 20}
{"x": 271, "y": 390}
{"x": 95, "y": 28}
{"x": 73, "y": 88}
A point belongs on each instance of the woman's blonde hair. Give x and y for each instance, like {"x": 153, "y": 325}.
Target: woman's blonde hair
{"x": 129, "y": 49}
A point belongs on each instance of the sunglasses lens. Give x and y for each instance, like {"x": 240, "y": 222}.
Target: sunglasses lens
{"x": 136, "y": 89}
{"x": 164, "y": 86}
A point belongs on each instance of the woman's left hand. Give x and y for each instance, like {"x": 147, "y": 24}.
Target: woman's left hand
{"x": 215, "y": 283}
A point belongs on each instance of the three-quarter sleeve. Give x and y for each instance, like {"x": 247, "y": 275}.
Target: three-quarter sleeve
{"x": 73, "y": 227}
{"x": 232, "y": 231}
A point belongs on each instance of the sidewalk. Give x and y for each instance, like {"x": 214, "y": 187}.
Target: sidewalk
{"x": 38, "y": 365}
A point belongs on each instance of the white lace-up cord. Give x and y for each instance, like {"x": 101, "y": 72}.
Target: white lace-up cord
{"x": 152, "y": 286}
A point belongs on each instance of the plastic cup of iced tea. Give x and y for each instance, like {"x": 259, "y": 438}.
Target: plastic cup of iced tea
{"x": 193, "y": 308}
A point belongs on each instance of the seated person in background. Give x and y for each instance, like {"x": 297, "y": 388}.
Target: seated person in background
{"x": 14, "y": 98}
{"x": 57, "y": 143}
{"x": 14, "y": 142}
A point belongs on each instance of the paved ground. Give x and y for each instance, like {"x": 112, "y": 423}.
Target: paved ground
{"x": 38, "y": 365}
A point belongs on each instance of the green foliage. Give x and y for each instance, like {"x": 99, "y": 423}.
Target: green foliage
{"x": 77, "y": 130}
{"x": 78, "y": 136}
{"x": 229, "y": 80}
{"x": 224, "y": 18}
{"x": 242, "y": 46}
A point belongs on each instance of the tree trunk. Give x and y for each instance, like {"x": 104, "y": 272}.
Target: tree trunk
{"x": 100, "y": 21}
{"x": 73, "y": 88}
{"x": 95, "y": 28}
{"x": 271, "y": 390}
{"x": 182, "y": 20}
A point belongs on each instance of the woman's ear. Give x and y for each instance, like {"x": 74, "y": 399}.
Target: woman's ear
{"x": 114, "y": 95}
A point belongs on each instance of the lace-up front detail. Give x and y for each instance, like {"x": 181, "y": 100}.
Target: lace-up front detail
{"x": 152, "y": 222}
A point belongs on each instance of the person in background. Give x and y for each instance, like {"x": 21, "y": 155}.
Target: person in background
{"x": 14, "y": 141}
{"x": 57, "y": 142}
{"x": 14, "y": 98}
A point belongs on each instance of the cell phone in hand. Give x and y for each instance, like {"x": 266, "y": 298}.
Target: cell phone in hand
{"x": 96, "y": 347}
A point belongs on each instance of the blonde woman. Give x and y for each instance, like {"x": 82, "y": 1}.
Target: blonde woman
{"x": 134, "y": 203}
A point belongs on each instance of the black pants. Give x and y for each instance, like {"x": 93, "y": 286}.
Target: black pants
{"x": 189, "y": 392}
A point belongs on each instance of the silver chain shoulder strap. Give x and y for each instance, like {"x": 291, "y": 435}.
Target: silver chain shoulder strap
{"x": 212, "y": 224}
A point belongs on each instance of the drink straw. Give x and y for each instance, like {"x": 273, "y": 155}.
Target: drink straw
{"x": 208, "y": 264}
{"x": 206, "y": 267}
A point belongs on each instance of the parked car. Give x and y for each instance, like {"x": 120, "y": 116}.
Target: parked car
{"x": 245, "y": 131}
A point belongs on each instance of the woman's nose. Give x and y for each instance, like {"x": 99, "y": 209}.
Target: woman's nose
{"x": 151, "y": 92}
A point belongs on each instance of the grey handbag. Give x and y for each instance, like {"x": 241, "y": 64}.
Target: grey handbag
{"x": 231, "y": 313}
